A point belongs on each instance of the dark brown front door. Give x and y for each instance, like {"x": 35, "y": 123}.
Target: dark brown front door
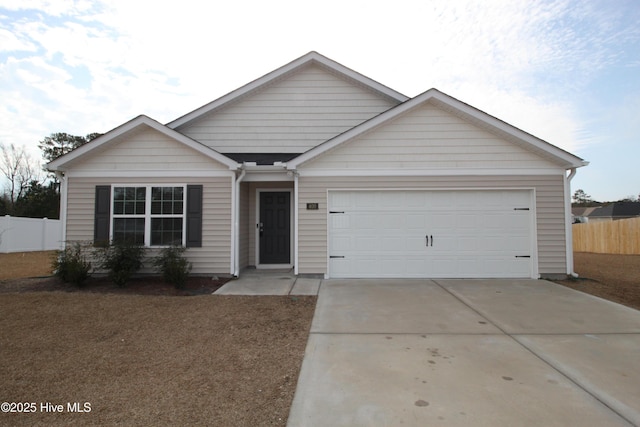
{"x": 275, "y": 228}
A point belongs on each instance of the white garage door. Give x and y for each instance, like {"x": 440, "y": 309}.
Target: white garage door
{"x": 431, "y": 234}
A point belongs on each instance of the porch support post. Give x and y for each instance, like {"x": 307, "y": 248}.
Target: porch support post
{"x": 235, "y": 208}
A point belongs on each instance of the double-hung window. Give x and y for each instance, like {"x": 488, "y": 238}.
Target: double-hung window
{"x": 149, "y": 215}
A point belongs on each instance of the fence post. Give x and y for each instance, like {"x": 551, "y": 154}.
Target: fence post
{"x": 43, "y": 241}
{"x": 6, "y": 234}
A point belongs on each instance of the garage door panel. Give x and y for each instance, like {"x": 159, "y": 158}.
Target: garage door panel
{"x": 415, "y": 199}
{"x": 415, "y": 222}
{"x": 367, "y": 244}
{"x": 496, "y": 244}
{"x": 342, "y": 244}
{"x": 431, "y": 233}
{"x": 338, "y": 221}
{"x": 365, "y": 221}
{"x": 393, "y": 244}
{"x": 469, "y": 244}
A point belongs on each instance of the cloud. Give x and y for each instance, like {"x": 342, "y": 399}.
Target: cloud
{"x": 10, "y": 42}
{"x": 50, "y": 7}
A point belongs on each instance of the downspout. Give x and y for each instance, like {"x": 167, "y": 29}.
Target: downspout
{"x": 236, "y": 224}
{"x": 568, "y": 224}
{"x": 63, "y": 207}
{"x": 295, "y": 223}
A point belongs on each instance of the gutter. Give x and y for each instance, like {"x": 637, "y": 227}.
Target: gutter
{"x": 236, "y": 224}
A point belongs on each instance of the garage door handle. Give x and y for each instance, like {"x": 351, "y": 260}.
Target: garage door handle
{"x": 427, "y": 239}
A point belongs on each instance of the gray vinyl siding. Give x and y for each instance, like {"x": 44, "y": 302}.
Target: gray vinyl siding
{"x": 292, "y": 115}
{"x": 312, "y": 226}
{"x": 428, "y": 138}
{"x": 212, "y": 257}
{"x": 148, "y": 150}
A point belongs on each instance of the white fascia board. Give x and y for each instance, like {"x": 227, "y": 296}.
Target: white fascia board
{"x": 568, "y": 159}
{"x": 428, "y": 172}
{"x": 62, "y": 162}
{"x": 276, "y": 74}
{"x": 264, "y": 173}
{"x": 150, "y": 174}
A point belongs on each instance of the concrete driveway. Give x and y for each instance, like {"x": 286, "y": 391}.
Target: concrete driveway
{"x": 468, "y": 352}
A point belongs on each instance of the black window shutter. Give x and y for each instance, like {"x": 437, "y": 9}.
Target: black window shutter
{"x": 102, "y": 215}
{"x": 194, "y": 216}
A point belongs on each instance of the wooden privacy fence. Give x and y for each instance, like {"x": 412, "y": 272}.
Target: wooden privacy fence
{"x": 608, "y": 237}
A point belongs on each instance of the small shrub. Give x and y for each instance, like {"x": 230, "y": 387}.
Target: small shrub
{"x": 122, "y": 260}
{"x": 173, "y": 266}
{"x": 71, "y": 264}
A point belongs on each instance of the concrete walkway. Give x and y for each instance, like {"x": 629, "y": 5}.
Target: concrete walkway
{"x": 468, "y": 352}
{"x": 270, "y": 282}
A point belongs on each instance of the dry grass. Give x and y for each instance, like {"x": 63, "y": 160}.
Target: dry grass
{"x": 613, "y": 277}
{"x": 26, "y": 264}
{"x": 152, "y": 360}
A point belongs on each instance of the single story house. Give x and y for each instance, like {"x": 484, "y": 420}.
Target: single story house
{"x": 580, "y": 214}
{"x": 318, "y": 168}
{"x": 615, "y": 211}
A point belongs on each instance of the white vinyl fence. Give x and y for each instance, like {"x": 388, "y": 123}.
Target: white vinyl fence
{"x": 29, "y": 234}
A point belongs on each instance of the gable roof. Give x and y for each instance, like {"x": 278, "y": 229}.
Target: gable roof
{"x": 62, "y": 162}
{"x": 617, "y": 210}
{"x": 302, "y": 62}
{"x": 460, "y": 109}
{"x": 583, "y": 210}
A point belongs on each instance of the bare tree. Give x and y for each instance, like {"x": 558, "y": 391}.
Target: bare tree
{"x": 18, "y": 168}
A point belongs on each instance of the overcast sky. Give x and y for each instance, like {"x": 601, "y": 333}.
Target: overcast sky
{"x": 565, "y": 71}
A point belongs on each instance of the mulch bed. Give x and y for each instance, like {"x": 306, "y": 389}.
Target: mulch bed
{"x": 142, "y": 285}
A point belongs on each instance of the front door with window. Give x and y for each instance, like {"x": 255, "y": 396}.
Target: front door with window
{"x": 275, "y": 228}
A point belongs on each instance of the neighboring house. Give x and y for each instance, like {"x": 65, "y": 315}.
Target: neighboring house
{"x": 580, "y": 214}
{"x": 319, "y": 168}
{"x": 614, "y": 211}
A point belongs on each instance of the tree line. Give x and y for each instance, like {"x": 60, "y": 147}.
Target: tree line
{"x": 581, "y": 198}
{"x": 30, "y": 190}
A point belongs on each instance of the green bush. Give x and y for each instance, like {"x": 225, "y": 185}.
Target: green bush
{"x": 71, "y": 264}
{"x": 122, "y": 260}
{"x": 173, "y": 266}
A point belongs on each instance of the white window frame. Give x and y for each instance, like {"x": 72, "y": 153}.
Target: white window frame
{"x": 148, "y": 216}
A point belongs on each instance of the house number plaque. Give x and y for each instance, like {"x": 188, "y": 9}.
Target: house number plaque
{"x": 312, "y": 206}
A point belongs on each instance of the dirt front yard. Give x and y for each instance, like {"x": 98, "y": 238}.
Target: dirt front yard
{"x": 613, "y": 277}
{"x": 150, "y": 360}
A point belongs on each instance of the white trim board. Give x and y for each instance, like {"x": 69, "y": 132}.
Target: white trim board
{"x": 427, "y": 172}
